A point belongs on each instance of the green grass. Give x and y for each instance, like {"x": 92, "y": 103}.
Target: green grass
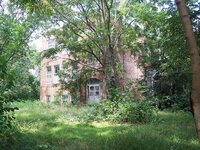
{"x": 51, "y": 127}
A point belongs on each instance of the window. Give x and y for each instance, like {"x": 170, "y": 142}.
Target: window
{"x": 56, "y": 70}
{"x": 48, "y": 98}
{"x": 48, "y": 74}
{"x": 51, "y": 43}
{"x": 64, "y": 98}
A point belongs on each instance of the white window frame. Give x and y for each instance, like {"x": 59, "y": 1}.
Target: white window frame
{"x": 55, "y": 74}
{"x": 48, "y": 75}
{"x": 56, "y": 70}
{"x": 95, "y": 98}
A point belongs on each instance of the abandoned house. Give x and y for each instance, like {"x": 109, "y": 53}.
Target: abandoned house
{"x": 93, "y": 91}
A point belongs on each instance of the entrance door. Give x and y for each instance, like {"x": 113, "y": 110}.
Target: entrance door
{"x": 93, "y": 93}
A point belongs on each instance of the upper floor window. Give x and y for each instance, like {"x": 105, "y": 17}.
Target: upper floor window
{"x": 56, "y": 70}
{"x": 48, "y": 74}
{"x": 51, "y": 43}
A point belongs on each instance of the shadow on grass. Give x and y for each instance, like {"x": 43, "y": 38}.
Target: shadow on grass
{"x": 88, "y": 137}
{"x": 40, "y": 130}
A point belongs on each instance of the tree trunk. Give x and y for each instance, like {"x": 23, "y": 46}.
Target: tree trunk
{"x": 195, "y": 59}
{"x": 110, "y": 69}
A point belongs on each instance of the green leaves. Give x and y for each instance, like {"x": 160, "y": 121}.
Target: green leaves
{"x": 15, "y": 30}
{"x": 120, "y": 107}
{"x": 35, "y": 6}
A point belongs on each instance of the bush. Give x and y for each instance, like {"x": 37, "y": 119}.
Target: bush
{"x": 174, "y": 102}
{"x": 142, "y": 112}
{"x": 122, "y": 109}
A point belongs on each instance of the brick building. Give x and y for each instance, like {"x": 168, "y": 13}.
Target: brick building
{"x": 93, "y": 91}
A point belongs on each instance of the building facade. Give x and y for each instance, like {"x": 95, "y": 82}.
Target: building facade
{"x": 91, "y": 92}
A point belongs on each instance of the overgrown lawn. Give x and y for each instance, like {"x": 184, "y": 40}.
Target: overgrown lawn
{"x": 44, "y": 126}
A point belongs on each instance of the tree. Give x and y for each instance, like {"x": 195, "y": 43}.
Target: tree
{"x": 15, "y": 30}
{"x": 93, "y": 30}
{"x": 169, "y": 58}
{"x": 26, "y": 85}
{"x": 195, "y": 61}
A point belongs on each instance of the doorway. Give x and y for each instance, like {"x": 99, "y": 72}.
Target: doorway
{"x": 93, "y": 91}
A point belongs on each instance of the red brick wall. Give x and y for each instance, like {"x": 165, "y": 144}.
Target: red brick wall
{"x": 132, "y": 73}
{"x": 46, "y": 88}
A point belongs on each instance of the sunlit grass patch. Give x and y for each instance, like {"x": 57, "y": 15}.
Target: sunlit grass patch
{"x": 53, "y": 127}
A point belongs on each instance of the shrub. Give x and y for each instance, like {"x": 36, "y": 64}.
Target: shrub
{"x": 173, "y": 102}
{"x": 122, "y": 109}
{"x": 142, "y": 112}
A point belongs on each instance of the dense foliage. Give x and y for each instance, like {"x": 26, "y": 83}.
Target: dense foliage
{"x": 15, "y": 31}
{"x": 120, "y": 107}
{"x": 27, "y": 83}
{"x": 167, "y": 60}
